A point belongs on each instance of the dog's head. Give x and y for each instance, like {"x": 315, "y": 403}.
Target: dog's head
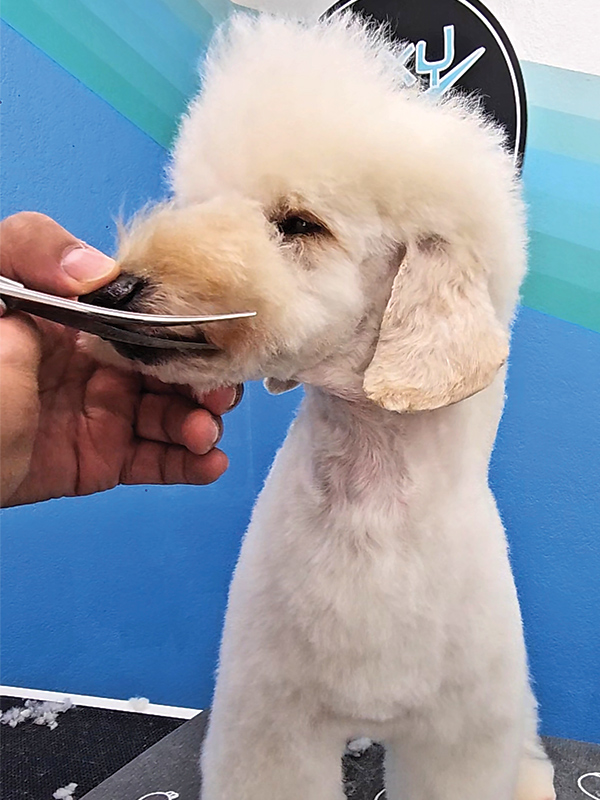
{"x": 376, "y": 233}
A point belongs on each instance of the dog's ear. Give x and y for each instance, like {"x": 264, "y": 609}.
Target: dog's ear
{"x": 440, "y": 340}
{"x": 275, "y": 386}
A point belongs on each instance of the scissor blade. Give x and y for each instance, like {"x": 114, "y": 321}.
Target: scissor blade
{"x": 74, "y": 319}
{"x": 15, "y": 290}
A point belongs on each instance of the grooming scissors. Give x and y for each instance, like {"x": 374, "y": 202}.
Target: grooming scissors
{"x": 108, "y": 323}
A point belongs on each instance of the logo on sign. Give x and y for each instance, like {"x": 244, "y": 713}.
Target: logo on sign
{"x": 160, "y": 796}
{"x": 438, "y": 83}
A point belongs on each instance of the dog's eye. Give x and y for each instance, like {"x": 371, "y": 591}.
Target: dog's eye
{"x": 298, "y": 226}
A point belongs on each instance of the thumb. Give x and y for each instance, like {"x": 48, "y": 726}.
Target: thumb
{"x": 42, "y": 255}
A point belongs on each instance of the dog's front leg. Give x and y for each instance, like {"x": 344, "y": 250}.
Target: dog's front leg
{"x": 478, "y": 767}
{"x": 269, "y": 751}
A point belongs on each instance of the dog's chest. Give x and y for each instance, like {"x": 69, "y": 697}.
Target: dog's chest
{"x": 359, "y": 610}
{"x": 352, "y": 593}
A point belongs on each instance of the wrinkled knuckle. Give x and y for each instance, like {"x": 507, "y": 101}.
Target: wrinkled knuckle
{"x": 24, "y": 221}
{"x": 166, "y": 416}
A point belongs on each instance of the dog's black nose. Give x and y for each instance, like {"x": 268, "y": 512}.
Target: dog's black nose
{"x": 119, "y": 294}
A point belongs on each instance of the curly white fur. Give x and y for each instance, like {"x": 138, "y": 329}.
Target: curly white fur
{"x": 373, "y": 596}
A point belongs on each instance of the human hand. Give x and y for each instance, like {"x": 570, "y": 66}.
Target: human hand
{"x": 68, "y": 425}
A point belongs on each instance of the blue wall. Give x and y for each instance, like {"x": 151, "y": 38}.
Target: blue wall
{"x": 546, "y": 475}
{"x": 123, "y": 593}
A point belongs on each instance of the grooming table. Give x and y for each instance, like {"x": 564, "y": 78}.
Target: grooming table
{"x": 120, "y": 755}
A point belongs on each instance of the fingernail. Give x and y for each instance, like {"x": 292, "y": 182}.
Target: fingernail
{"x": 85, "y": 264}
{"x": 218, "y": 430}
{"x": 237, "y": 397}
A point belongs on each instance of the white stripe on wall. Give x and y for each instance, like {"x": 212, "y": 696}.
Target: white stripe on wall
{"x": 109, "y": 703}
{"x": 561, "y": 34}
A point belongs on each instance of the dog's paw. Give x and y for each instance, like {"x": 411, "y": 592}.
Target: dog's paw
{"x": 358, "y": 746}
{"x": 536, "y": 780}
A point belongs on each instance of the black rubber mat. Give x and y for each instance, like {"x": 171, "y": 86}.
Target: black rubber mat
{"x": 88, "y": 746}
{"x": 91, "y": 744}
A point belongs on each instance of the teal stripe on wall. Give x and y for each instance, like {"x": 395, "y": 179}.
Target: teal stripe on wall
{"x": 565, "y": 219}
{"x": 141, "y": 56}
{"x": 78, "y": 59}
{"x": 563, "y": 90}
{"x": 556, "y": 258}
{"x": 562, "y": 299}
{"x": 566, "y": 134}
{"x": 564, "y": 280}
{"x": 562, "y": 188}
{"x": 562, "y": 176}
{"x": 161, "y": 47}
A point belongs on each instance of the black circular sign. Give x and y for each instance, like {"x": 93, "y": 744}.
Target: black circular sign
{"x": 456, "y": 44}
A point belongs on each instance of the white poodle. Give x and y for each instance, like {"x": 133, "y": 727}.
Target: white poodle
{"x": 379, "y": 234}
